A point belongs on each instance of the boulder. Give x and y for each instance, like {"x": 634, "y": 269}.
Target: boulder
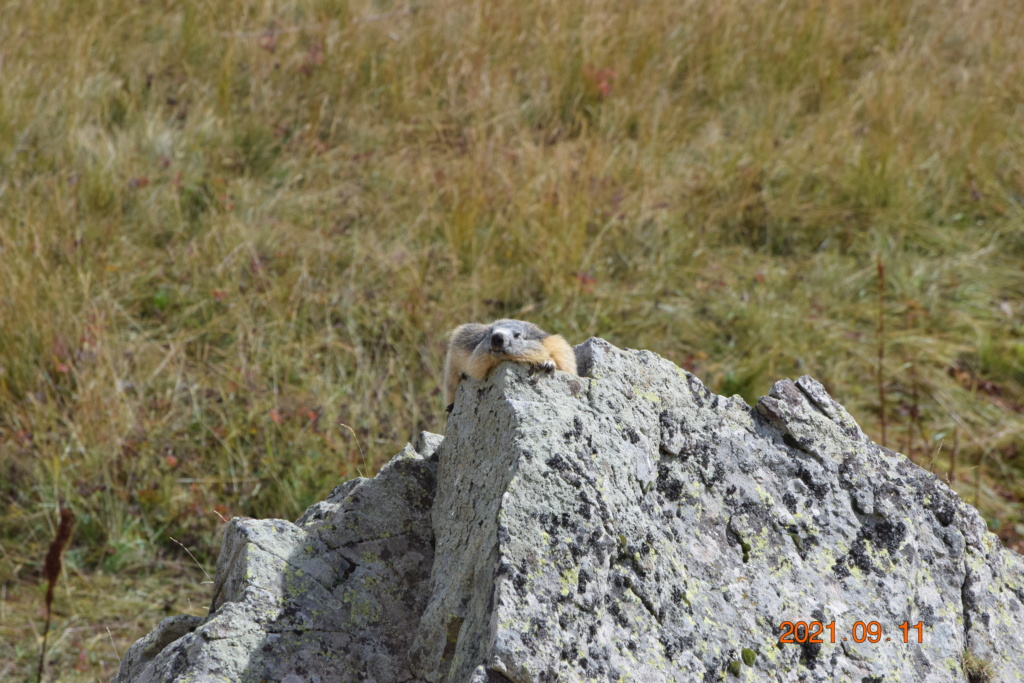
{"x": 627, "y": 524}
{"x": 334, "y": 596}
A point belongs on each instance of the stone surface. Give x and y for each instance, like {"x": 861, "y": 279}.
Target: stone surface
{"x": 332, "y": 597}
{"x": 625, "y": 525}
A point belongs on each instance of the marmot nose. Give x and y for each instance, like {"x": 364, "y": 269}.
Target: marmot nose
{"x": 498, "y": 341}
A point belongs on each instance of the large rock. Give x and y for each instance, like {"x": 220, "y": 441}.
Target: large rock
{"x": 626, "y": 524}
{"x": 334, "y": 596}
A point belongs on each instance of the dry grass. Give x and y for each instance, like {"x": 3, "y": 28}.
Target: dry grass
{"x": 233, "y": 235}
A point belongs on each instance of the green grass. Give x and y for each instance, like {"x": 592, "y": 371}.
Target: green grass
{"x": 233, "y": 236}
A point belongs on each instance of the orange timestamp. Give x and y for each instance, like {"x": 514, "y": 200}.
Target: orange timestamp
{"x": 871, "y": 632}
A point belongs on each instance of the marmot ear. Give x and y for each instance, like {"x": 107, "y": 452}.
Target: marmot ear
{"x": 451, "y": 406}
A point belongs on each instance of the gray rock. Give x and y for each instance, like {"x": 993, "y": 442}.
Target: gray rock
{"x": 629, "y": 524}
{"x": 332, "y": 597}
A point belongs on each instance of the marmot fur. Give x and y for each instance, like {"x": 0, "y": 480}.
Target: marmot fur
{"x": 474, "y": 349}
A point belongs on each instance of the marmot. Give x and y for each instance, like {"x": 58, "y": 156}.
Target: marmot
{"x": 473, "y": 349}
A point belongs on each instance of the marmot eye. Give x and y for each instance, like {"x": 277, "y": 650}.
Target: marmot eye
{"x": 517, "y": 335}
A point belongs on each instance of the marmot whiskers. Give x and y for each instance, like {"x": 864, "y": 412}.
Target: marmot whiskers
{"x": 474, "y": 349}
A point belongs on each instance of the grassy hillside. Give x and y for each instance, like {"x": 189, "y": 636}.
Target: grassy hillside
{"x": 233, "y": 235}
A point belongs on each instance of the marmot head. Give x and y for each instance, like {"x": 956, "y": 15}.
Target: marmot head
{"x": 513, "y": 338}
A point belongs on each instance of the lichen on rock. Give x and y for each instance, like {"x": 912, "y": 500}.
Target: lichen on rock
{"x": 627, "y": 524}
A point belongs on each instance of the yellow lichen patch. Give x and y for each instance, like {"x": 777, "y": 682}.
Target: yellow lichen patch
{"x": 570, "y": 580}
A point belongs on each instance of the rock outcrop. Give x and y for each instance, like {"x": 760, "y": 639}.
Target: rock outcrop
{"x": 627, "y": 524}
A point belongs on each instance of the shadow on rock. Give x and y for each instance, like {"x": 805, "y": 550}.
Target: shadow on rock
{"x": 625, "y": 524}
{"x": 333, "y": 597}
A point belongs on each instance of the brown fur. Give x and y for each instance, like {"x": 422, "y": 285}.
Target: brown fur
{"x": 561, "y": 352}
{"x": 470, "y": 353}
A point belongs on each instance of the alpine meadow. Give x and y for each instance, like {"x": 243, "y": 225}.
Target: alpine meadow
{"x": 233, "y": 235}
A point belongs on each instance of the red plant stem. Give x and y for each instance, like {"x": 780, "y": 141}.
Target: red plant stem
{"x": 51, "y": 571}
